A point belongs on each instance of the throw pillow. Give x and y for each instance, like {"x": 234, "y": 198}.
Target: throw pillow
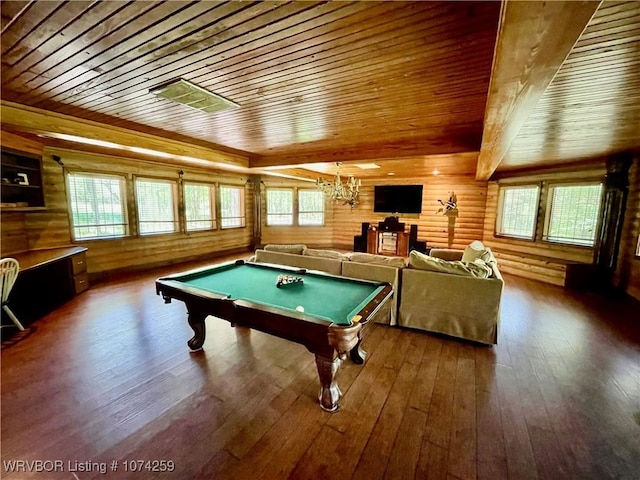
{"x": 477, "y": 250}
{"x": 293, "y": 248}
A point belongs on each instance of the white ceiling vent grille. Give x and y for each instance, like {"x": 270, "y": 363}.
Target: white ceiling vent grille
{"x": 182, "y": 91}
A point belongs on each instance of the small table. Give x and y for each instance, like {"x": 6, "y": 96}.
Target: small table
{"x": 336, "y": 310}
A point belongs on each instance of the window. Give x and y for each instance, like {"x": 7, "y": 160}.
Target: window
{"x": 517, "y": 211}
{"x": 279, "y": 206}
{"x": 98, "y": 206}
{"x": 310, "y": 207}
{"x": 231, "y": 207}
{"x": 199, "y": 206}
{"x": 572, "y": 214}
{"x": 156, "y": 200}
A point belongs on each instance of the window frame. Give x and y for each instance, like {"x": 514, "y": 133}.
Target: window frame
{"x": 123, "y": 201}
{"x": 551, "y": 187}
{"x": 500, "y": 211}
{"x": 299, "y": 211}
{"x": 213, "y": 202}
{"x": 243, "y": 206}
{"x": 292, "y": 215}
{"x": 174, "y": 197}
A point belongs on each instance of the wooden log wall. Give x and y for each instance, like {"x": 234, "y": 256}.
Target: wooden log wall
{"x": 312, "y": 236}
{"x": 14, "y": 233}
{"x": 437, "y": 230}
{"x": 628, "y": 271}
{"x": 51, "y": 228}
{"x": 536, "y": 259}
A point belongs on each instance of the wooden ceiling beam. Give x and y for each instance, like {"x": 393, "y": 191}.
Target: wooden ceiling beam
{"x": 54, "y": 125}
{"x": 534, "y": 39}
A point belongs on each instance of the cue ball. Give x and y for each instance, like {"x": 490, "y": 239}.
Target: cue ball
{"x": 300, "y": 308}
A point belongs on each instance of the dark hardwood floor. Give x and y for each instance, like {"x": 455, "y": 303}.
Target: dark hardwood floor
{"x": 108, "y": 377}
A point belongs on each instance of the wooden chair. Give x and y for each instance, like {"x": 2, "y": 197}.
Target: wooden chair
{"x": 9, "y": 268}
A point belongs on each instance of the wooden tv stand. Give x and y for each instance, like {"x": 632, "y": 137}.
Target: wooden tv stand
{"x": 382, "y": 242}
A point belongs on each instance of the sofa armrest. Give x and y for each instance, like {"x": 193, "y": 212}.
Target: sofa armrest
{"x": 456, "y": 305}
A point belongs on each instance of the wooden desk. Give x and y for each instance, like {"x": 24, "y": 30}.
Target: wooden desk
{"x": 47, "y": 279}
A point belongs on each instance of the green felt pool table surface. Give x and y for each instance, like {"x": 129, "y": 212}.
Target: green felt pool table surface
{"x": 329, "y": 298}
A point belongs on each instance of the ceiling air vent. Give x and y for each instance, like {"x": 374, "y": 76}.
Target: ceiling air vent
{"x": 182, "y": 91}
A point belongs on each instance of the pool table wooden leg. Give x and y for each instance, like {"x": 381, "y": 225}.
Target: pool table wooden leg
{"x": 357, "y": 354}
{"x": 329, "y": 392}
{"x": 196, "y": 322}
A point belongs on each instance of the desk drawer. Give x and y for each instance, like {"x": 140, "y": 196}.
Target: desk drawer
{"x": 81, "y": 282}
{"x": 79, "y": 263}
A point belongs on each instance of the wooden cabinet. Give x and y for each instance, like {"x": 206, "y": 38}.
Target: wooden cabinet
{"x": 388, "y": 243}
{"x": 79, "y": 272}
{"x": 21, "y": 177}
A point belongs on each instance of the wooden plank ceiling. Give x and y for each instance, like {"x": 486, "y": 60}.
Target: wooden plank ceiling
{"x": 402, "y": 84}
{"x": 592, "y": 106}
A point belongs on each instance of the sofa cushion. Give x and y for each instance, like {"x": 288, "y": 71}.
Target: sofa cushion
{"x": 477, "y": 250}
{"x": 477, "y": 268}
{"x": 446, "y": 254}
{"x": 322, "y": 253}
{"x": 293, "y": 248}
{"x": 397, "y": 262}
{"x": 329, "y": 265}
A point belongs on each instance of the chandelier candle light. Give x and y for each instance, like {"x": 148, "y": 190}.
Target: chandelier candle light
{"x": 337, "y": 191}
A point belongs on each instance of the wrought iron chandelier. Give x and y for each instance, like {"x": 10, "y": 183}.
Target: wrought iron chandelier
{"x": 347, "y": 193}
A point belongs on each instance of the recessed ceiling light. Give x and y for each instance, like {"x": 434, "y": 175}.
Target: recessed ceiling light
{"x": 390, "y": 173}
{"x": 366, "y": 166}
{"x": 436, "y": 171}
{"x": 182, "y": 91}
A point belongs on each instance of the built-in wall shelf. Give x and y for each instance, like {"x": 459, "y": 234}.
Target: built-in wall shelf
{"x": 21, "y": 177}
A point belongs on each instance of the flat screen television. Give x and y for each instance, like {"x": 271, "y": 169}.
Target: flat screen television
{"x": 397, "y": 198}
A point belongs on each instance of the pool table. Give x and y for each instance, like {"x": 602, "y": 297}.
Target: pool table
{"x": 325, "y": 313}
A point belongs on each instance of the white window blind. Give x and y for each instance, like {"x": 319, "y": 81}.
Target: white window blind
{"x": 517, "y": 211}
{"x": 232, "y": 207}
{"x": 199, "y": 206}
{"x": 279, "y": 206}
{"x": 572, "y": 214}
{"x": 97, "y": 204}
{"x": 156, "y": 201}
{"x": 310, "y": 207}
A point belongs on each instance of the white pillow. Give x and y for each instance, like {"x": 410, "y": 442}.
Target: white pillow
{"x": 477, "y": 250}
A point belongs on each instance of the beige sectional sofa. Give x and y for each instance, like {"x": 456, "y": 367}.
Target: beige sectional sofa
{"x": 456, "y": 293}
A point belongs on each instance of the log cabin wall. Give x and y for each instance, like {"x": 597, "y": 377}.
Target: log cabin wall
{"x": 312, "y": 236}
{"x": 51, "y": 228}
{"x": 537, "y": 259}
{"x": 14, "y": 233}
{"x": 437, "y": 230}
{"x": 627, "y": 274}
